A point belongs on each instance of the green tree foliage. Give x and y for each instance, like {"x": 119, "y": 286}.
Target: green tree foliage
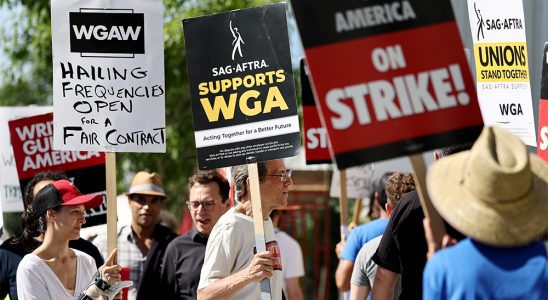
{"x": 27, "y": 79}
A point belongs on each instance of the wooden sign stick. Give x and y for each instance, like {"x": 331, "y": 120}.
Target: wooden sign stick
{"x": 258, "y": 221}
{"x": 112, "y": 228}
{"x": 343, "y": 205}
{"x": 436, "y": 222}
{"x": 356, "y": 215}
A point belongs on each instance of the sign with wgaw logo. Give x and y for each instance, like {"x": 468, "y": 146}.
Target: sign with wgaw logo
{"x": 118, "y": 32}
{"x": 241, "y": 86}
{"x": 502, "y": 72}
{"x": 108, "y": 75}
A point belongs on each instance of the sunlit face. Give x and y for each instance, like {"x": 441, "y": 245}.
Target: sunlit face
{"x": 206, "y": 207}
{"x": 69, "y": 220}
{"x": 145, "y": 209}
{"x": 274, "y": 192}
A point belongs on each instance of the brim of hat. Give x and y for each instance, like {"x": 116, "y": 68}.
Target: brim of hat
{"x": 89, "y": 201}
{"x": 148, "y": 192}
{"x": 504, "y": 225}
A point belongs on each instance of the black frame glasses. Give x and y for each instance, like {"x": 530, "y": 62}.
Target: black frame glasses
{"x": 284, "y": 176}
{"x": 206, "y": 205}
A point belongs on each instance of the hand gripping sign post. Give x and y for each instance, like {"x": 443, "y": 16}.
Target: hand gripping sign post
{"x": 32, "y": 142}
{"x": 242, "y": 91}
{"x": 542, "y": 150}
{"x": 388, "y": 79}
{"x": 502, "y": 72}
{"x": 108, "y": 82}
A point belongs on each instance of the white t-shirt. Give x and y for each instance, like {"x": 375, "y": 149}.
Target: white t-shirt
{"x": 36, "y": 280}
{"x": 292, "y": 255}
{"x": 230, "y": 248}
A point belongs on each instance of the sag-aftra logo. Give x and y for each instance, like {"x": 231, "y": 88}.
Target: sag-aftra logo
{"x": 108, "y": 33}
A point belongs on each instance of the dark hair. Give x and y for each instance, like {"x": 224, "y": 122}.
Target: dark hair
{"x": 29, "y": 188}
{"x": 31, "y": 224}
{"x": 397, "y": 185}
{"x": 446, "y": 151}
{"x": 240, "y": 174}
{"x": 379, "y": 188}
{"x": 205, "y": 177}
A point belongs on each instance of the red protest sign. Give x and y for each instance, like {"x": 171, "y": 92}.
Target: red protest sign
{"x": 542, "y": 149}
{"x": 32, "y": 142}
{"x": 316, "y": 142}
{"x": 391, "y": 79}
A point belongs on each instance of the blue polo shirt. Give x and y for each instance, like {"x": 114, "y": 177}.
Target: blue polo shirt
{"x": 361, "y": 235}
{"x": 472, "y": 270}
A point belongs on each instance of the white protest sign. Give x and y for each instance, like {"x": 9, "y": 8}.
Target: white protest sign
{"x": 10, "y": 192}
{"x": 502, "y": 73}
{"x": 358, "y": 182}
{"x": 108, "y": 75}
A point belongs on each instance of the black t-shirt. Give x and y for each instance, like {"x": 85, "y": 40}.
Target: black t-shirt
{"x": 183, "y": 262}
{"x": 403, "y": 247}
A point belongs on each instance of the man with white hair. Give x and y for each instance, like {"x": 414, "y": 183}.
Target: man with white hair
{"x": 232, "y": 269}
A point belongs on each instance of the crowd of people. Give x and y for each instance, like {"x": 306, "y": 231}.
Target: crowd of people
{"x": 493, "y": 197}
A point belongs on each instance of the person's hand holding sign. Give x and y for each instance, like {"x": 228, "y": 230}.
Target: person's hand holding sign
{"x": 261, "y": 267}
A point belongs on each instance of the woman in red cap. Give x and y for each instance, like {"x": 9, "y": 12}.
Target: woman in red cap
{"x": 53, "y": 270}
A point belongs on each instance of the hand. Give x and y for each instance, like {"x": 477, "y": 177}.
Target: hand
{"x": 119, "y": 295}
{"x": 110, "y": 272}
{"x": 447, "y": 240}
{"x": 261, "y": 266}
{"x": 339, "y": 248}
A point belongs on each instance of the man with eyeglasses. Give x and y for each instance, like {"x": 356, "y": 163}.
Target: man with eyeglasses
{"x": 207, "y": 202}
{"x": 232, "y": 269}
{"x": 142, "y": 244}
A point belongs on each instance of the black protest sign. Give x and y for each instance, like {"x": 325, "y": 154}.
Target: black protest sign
{"x": 241, "y": 86}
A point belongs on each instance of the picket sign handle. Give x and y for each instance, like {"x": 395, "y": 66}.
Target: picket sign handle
{"x": 436, "y": 222}
{"x": 112, "y": 228}
{"x": 356, "y": 215}
{"x": 258, "y": 222}
{"x": 343, "y": 205}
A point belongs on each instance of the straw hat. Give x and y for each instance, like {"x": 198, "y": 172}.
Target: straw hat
{"x": 496, "y": 193}
{"x": 145, "y": 183}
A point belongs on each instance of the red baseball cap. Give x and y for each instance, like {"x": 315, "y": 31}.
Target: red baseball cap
{"x": 62, "y": 192}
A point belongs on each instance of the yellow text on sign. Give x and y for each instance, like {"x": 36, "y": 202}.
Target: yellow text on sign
{"x": 501, "y": 62}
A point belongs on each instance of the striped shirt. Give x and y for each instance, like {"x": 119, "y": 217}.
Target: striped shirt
{"x": 129, "y": 257}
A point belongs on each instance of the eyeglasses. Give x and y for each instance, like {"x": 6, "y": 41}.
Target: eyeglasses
{"x": 284, "y": 176}
{"x": 206, "y": 205}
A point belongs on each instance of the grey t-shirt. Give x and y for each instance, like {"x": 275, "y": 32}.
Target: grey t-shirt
{"x": 365, "y": 268}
